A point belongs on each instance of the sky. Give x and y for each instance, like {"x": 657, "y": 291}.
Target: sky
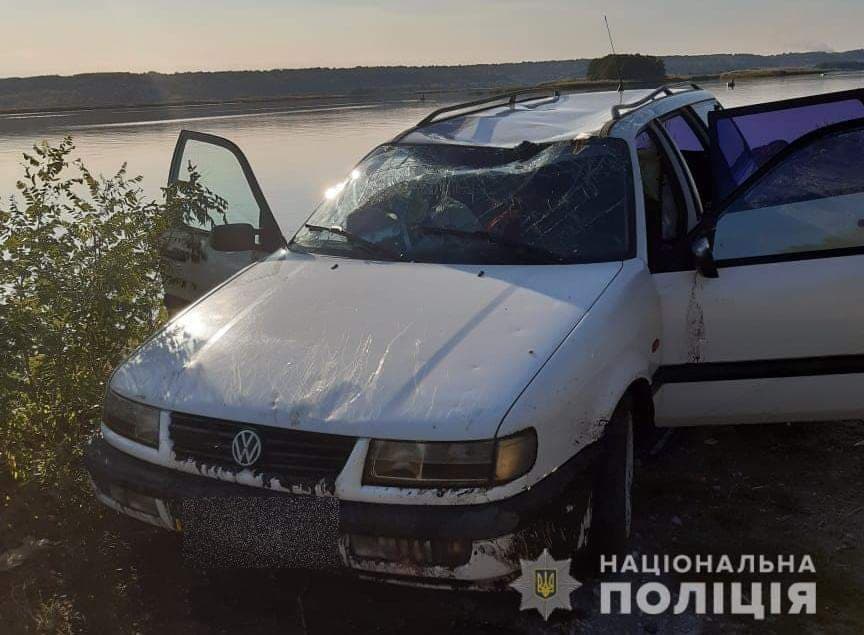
{"x": 74, "y": 36}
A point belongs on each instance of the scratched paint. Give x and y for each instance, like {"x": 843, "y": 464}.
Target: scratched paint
{"x": 696, "y": 336}
{"x": 387, "y": 350}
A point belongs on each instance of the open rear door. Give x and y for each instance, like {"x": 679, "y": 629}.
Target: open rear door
{"x": 226, "y": 223}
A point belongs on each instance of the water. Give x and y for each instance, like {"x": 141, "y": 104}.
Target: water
{"x": 296, "y": 152}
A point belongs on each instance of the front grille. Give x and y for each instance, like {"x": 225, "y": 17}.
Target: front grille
{"x": 291, "y": 454}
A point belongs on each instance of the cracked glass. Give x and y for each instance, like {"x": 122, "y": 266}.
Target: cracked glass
{"x": 560, "y": 203}
{"x": 809, "y": 202}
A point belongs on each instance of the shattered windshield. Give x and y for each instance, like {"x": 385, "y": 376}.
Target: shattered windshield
{"x": 566, "y": 202}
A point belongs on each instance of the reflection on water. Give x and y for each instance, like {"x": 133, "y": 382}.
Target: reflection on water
{"x": 759, "y": 90}
{"x": 296, "y": 152}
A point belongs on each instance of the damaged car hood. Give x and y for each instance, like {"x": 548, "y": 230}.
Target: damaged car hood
{"x": 373, "y": 349}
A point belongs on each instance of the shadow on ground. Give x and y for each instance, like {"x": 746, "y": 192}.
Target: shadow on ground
{"x": 734, "y": 490}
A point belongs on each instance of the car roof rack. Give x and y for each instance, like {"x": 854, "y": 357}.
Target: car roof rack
{"x": 664, "y": 91}
{"x": 478, "y": 105}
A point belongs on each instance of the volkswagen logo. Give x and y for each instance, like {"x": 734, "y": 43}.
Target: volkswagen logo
{"x": 246, "y": 448}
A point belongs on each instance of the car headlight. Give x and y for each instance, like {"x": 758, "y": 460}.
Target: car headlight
{"x": 131, "y": 419}
{"x": 443, "y": 464}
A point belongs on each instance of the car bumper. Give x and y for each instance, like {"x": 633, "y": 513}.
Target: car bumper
{"x": 475, "y": 545}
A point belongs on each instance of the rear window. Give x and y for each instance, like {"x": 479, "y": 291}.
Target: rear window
{"x": 560, "y": 203}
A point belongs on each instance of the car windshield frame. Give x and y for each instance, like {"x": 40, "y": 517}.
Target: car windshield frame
{"x": 529, "y": 253}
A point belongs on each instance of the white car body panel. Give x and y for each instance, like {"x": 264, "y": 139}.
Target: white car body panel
{"x": 575, "y": 394}
{"x": 193, "y": 278}
{"x": 803, "y": 308}
{"x": 797, "y": 309}
{"x": 764, "y": 400}
{"x": 363, "y": 348}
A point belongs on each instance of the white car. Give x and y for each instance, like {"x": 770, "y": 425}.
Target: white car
{"x": 441, "y": 372}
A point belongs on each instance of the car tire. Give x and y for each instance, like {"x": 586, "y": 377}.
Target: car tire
{"x": 595, "y": 521}
{"x": 611, "y": 496}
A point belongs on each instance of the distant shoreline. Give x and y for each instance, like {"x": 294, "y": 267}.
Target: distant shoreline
{"x": 759, "y": 73}
{"x": 310, "y": 100}
{"x": 403, "y": 93}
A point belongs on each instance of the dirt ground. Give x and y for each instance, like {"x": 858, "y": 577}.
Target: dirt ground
{"x": 735, "y": 490}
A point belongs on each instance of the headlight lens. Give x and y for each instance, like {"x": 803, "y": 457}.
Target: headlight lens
{"x": 441, "y": 464}
{"x": 131, "y": 419}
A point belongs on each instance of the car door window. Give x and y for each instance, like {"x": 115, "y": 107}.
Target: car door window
{"x": 810, "y": 202}
{"x": 703, "y": 108}
{"x": 694, "y": 151}
{"x": 746, "y": 138}
{"x": 665, "y": 209}
{"x": 217, "y": 170}
{"x": 216, "y": 186}
{"x": 224, "y": 223}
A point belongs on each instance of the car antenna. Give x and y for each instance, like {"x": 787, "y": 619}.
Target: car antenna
{"x": 614, "y": 56}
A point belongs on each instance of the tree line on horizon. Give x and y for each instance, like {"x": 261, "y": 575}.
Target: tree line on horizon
{"x": 627, "y": 67}
{"x": 95, "y": 90}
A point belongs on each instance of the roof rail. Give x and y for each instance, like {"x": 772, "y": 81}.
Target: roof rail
{"x": 664, "y": 91}
{"x": 478, "y": 105}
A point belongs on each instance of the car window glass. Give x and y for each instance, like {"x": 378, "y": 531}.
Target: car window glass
{"x": 665, "y": 217}
{"x": 693, "y": 151}
{"x": 217, "y": 171}
{"x": 812, "y": 201}
{"x": 569, "y": 201}
{"x": 703, "y": 108}
{"x": 745, "y": 142}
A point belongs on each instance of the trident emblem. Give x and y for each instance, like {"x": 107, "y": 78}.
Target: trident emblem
{"x": 545, "y": 582}
{"x": 541, "y": 581}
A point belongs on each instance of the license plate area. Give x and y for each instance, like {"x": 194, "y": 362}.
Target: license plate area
{"x": 261, "y": 532}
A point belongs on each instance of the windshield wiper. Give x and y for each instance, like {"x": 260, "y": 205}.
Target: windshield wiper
{"x": 541, "y": 253}
{"x": 356, "y": 240}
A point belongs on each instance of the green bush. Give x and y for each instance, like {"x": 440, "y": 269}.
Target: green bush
{"x": 633, "y": 67}
{"x": 80, "y": 287}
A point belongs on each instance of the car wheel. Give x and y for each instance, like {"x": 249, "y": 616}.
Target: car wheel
{"x": 597, "y": 516}
{"x": 611, "y": 497}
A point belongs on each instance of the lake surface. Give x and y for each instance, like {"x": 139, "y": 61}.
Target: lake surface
{"x": 296, "y": 152}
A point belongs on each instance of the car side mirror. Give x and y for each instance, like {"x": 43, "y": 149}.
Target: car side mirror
{"x": 703, "y": 256}
{"x": 233, "y": 237}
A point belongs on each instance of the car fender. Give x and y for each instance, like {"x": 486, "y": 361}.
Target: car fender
{"x": 573, "y": 396}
